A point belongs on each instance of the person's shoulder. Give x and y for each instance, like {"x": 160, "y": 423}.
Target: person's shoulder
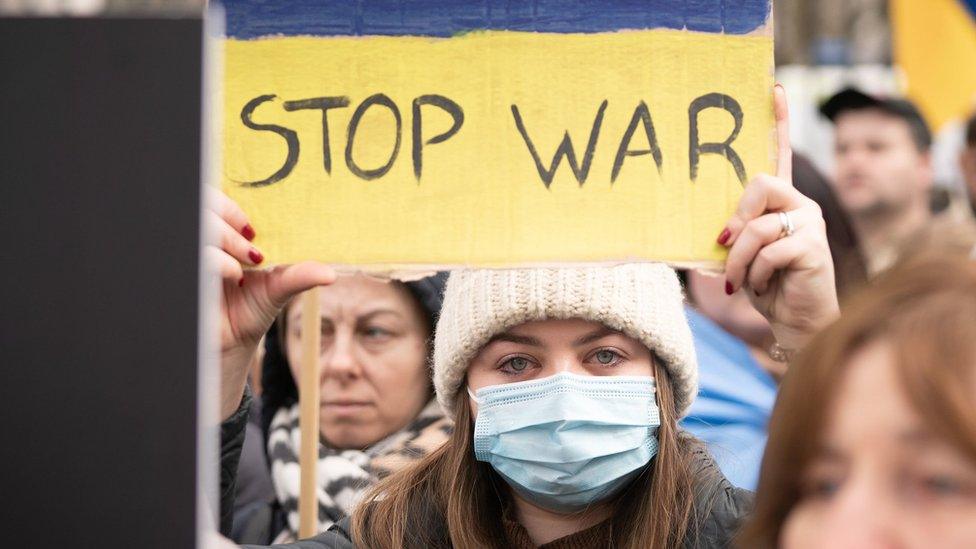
{"x": 945, "y": 234}
{"x": 710, "y": 482}
{"x": 720, "y": 507}
{"x": 336, "y": 537}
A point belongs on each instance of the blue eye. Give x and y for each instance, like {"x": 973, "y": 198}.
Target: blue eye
{"x": 942, "y": 485}
{"x": 605, "y": 357}
{"x": 516, "y": 365}
{"x": 825, "y": 488}
{"x": 374, "y": 332}
{"x": 820, "y": 488}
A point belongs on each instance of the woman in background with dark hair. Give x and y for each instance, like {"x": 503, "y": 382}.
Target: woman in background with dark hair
{"x": 739, "y": 375}
{"x": 850, "y": 269}
{"x": 377, "y": 412}
{"x": 873, "y": 440}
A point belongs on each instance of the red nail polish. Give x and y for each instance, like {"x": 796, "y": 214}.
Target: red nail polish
{"x": 255, "y": 256}
{"x": 240, "y": 283}
{"x": 729, "y": 290}
{"x": 724, "y": 237}
{"x": 248, "y": 232}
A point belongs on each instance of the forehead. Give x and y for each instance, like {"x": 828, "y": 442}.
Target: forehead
{"x": 561, "y": 331}
{"x": 359, "y": 294}
{"x": 870, "y": 403}
{"x": 871, "y": 123}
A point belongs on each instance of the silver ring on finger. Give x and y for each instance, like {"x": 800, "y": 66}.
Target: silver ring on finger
{"x": 786, "y": 223}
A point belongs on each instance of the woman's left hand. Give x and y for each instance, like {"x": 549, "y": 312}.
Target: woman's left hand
{"x": 788, "y": 278}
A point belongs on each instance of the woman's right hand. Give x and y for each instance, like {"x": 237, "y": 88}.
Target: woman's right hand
{"x": 250, "y": 299}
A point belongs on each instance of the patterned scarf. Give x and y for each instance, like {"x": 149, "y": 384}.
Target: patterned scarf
{"x": 345, "y": 475}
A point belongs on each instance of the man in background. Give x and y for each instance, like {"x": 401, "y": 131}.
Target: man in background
{"x": 883, "y": 171}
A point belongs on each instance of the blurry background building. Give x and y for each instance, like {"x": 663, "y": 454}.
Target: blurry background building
{"x": 832, "y": 32}
{"x": 923, "y": 49}
{"x": 100, "y": 7}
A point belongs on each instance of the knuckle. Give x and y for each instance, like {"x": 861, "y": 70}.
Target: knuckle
{"x": 772, "y": 181}
{"x": 735, "y": 223}
{"x": 751, "y": 229}
{"x": 764, "y": 181}
{"x": 765, "y": 256}
{"x": 815, "y": 209}
{"x": 818, "y": 223}
{"x": 758, "y": 184}
{"x": 810, "y": 242}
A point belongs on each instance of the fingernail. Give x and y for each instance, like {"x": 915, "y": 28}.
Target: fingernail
{"x": 255, "y": 256}
{"x": 724, "y": 237}
{"x": 240, "y": 283}
{"x": 729, "y": 290}
{"x": 248, "y": 232}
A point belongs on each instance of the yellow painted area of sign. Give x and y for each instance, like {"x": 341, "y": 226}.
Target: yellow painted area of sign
{"x": 480, "y": 198}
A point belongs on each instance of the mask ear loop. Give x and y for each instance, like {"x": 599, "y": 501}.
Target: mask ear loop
{"x": 473, "y": 396}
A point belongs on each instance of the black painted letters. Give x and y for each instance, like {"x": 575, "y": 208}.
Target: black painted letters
{"x": 291, "y": 138}
{"x": 724, "y": 148}
{"x": 581, "y": 171}
{"x": 640, "y": 118}
{"x": 323, "y": 104}
{"x": 443, "y": 103}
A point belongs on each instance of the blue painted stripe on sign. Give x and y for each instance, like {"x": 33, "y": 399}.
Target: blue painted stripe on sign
{"x": 444, "y": 18}
{"x": 971, "y": 6}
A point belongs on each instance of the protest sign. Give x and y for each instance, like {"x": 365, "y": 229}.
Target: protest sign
{"x": 431, "y": 133}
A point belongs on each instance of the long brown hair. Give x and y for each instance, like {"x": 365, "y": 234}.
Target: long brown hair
{"x": 450, "y": 499}
{"x": 926, "y": 311}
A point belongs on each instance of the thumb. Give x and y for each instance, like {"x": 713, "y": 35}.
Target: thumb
{"x": 285, "y": 281}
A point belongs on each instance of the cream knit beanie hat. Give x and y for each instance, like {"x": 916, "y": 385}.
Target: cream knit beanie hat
{"x": 641, "y": 300}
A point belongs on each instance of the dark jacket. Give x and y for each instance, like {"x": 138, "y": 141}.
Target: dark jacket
{"x": 720, "y": 507}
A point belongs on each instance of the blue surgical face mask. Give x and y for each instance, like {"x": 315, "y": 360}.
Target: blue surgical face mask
{"x": 567, "y": 441}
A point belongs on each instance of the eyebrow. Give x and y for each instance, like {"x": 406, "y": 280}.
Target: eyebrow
{"x": 599, "y": 333}
{"x": 361, "y": 318}
{"x": 827, "y": 453}
{"x": 915, "y": 436}
{"x": 515, "y": 338}
{"x": 377, "y": 312}
{"x": 595, "y": 335}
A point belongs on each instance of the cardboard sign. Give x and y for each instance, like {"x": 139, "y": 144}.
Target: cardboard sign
{"x": 433, "y": 133}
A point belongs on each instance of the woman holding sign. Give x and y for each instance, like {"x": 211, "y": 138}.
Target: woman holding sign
{"x": 377, "y": 412}
{"x": 566, "y": 386}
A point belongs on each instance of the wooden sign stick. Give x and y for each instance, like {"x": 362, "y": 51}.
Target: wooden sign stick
{"x": 308, "y": 421}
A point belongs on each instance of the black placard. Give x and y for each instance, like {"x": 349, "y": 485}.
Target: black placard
{"x": 99, "y": 217}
